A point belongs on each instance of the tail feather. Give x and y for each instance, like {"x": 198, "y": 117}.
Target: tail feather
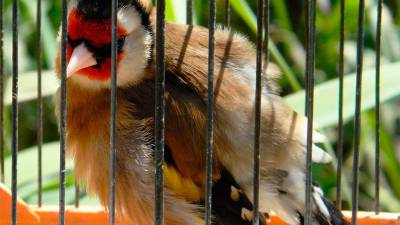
{"x": 290, "y": 207}
{"x": 336, "y": 217}
{"x": 325, "y": 213}
{"x": 230, "y": 205}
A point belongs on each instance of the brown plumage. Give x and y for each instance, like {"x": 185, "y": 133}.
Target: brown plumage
{"x": 282, "y": 135}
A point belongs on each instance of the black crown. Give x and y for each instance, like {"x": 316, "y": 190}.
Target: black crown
{"x": 98, "y": 9}
{"x": 101, "y": 9}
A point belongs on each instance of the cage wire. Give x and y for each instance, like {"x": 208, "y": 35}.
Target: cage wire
{"x": 261, "y": 54}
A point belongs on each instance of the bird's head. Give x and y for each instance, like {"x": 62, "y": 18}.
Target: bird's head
{"x": 89, "y": 42}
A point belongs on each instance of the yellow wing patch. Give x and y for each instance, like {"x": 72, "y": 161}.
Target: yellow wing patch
{"x": 183, "y": 187}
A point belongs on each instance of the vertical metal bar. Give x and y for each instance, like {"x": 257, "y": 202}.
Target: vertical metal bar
{"x": 377, "y": 104}
{"x": 2, "y": 79}
{"x": 357, "y": 120}
{"x": 160, "y": 113}
{"x": 14, "y": 114}
{"x": 340, "y": 113}
{"x": 39, "y": 97}
{"x": 310, "y": 66}
{"x": 113, "y": 105}
{"x": 189, "y": 12}
{"x": 257, "y": 121}
{"x": 266, "y": 37}
{"x": 63, "y": 119}
{"x": 227, "y": 20}
{"x": 77, "y": 195}
{"x": 266, "y": 34}
{"x": 210, "y": 112}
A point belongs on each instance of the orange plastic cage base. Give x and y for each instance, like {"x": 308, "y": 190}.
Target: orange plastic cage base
{"x": 28, "y": 215}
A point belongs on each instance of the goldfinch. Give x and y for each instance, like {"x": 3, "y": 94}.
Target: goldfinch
{"x": 283, "y": 131}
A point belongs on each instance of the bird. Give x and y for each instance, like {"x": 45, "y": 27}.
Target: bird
{"x": 283, "y": 131}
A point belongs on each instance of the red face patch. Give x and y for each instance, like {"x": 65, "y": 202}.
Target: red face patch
{"x": 100, "y": 72}
{"x": 98, "y": 34}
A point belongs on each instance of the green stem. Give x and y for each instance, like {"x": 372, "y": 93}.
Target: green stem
{"x": 281, "y": 13}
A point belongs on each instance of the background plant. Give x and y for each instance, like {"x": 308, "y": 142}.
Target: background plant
{"x": 287, "y": 35}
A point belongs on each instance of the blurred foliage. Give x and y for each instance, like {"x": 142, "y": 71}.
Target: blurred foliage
{"x": 287, "y": 50}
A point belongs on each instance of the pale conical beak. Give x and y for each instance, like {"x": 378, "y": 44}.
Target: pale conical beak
{"x": 81, "y": 58}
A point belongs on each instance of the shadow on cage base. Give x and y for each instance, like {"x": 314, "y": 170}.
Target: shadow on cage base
{"x": 48, "y": 215}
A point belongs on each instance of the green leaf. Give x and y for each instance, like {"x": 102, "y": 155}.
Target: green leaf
{"x": 282, "y": 14}
{"x": 390, "y": 37}
{"x": 27, "y": 176}
{"x": 28, "y": 86}
{"x": 52, "y": 197}
{"x": 28, "y": 164}
{"x": 169, "y": 11}
{"x": 176, "y": 11}
{"x": 326, "y": 95}
{"x": 48, "y": 33}
{"x": 390, "y": 165}
{"x": 242, "y": 8}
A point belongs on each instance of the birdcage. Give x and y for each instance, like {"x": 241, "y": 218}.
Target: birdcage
{"x": 14, "y": 211}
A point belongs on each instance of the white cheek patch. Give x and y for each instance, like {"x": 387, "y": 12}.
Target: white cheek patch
{"x": 129, "y": 18}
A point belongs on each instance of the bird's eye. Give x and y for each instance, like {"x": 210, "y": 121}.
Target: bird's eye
{"x": 100, "y": 53}
{"x": 105, "y": 51}
{"x": 74, "y": 43}
{"x": 120, "y": 44}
